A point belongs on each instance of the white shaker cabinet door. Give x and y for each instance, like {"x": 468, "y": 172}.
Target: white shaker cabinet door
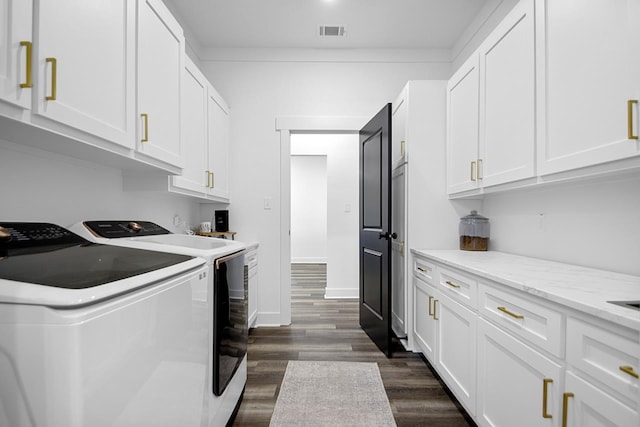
{"x": 16, "y": 76}
{"x": 456, "y": 349}
{"x": 517, "y": 386}
{"x": 194, "y": 176}
{"x": 586, "y": 404}
{"x": 592, "y": 70}
{"x": 507, "y": 96}
{"x": 85, "y": 64}
{"x": 218, "y": 146}
{"x": 462, "y": 127}
{"x": 160, "y": 65}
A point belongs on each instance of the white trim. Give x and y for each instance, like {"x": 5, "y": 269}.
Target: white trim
{"x": 285, "y": 227}
{"x": 287, "y": 125}
{"x": 309, "y": 260}
{"x": 320, "y": 123}
{"x": 341, "y": 293}
{"x": 394, "y": 56}
{"x": 269, "y": 319}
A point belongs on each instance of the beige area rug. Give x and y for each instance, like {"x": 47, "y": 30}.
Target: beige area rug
{"x": 332, "y": 394}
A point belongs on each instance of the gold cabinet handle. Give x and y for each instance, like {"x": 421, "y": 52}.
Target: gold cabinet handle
{"x": 402, "y": 148}
{"x": 430, "y": 310}
{"x": 453, "y": 285}
{"x": 208, "y": 178}
{"x": 145, "y": 119}
{"x": 28, "y": 69}
{"x": 511, "y": 313}
{"x": 565, "y": 404}
{"x": 545, "y": 396}
{"x": 630, "y": 104}
{"x": 472, "y": 175}
{"x": 54, "y": 78}
{"x": 421, "y": 269}
{"x": 479, "y": 174}
{"x": 629, "y": 370}
{"x": 213, "y": 180}
{"x": 435, "y": 314}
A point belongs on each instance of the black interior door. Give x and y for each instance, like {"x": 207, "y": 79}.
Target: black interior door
{"x": 375, "y": 229}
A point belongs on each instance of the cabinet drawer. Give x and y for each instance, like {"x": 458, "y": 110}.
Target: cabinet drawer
{"x": 524, "y": 317}
{"x": 605, "y": 355}
{"x": 424, "y": 270}
{"x": 457, "y": 286}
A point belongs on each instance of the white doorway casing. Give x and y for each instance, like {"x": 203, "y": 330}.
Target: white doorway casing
{"x": 286, "y": 126}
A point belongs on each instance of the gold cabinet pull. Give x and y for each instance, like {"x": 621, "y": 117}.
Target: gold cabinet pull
{"x": 54, "y": 78}
{"x": 208, "y": 178}
{"x": 630, "y": 104}
{"x": 511, "y": 313}
{"x": 430, "y": 310}
{"x": 479, "y": 174}
{"x": 213, "y": 180}
{"x": 28, "y": 70}
{"x": 421, "y": 269}
{"x": 402, "y": 148}
{"x": 453, "y": 285}
{"x": 472, "y": 175}
{"x": 629, "y": 370}
{"x": 435, "y": 314}
{"x": 145, "y": 119}
{"x": 545, "y": 396}
{"x": 565, "y": 404}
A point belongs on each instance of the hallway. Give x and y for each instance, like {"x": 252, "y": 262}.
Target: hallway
{"x": 324, "y": 329}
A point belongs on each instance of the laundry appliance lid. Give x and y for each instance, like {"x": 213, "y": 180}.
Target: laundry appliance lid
{"x": 43, "y": 263}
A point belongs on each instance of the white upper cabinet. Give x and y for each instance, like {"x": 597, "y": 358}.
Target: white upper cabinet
{"x": 16, "y": 76}
{"x": 84, "y": 59}
{"x": 218, "y": 154}
{"x": 463, "y": 92}
{"x": 507, "y": 96}
{"x": 194, "y": 133}
{"x": 160, "y": 67}
{"x": 591, "y": 68}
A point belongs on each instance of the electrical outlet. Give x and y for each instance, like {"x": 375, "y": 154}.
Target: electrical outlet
{"x": 267, "y": 203}
{"x": 177, "y": 221}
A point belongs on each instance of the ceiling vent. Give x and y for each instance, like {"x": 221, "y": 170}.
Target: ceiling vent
{"x": 332, "y": 31}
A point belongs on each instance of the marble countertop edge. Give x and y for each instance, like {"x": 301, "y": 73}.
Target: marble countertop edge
{"x": 583, "y": 289}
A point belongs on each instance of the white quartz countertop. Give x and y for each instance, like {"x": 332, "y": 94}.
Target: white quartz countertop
{"x": 581, "y": 288}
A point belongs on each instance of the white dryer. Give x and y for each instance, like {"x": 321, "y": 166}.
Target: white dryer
{"x": 98, "y": 335}
{"x": 226, "y": 296}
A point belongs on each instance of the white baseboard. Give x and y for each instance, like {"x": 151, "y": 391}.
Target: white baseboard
{"x": 341, "y": 293}
{"x": 308, "y": 260}
{"x": 271, "y": 319}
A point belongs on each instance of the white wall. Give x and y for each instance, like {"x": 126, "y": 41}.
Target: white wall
{"x": 591, "y": 224}
{"x": 40, "y": 186}
{"x": 309, "y": 209}
{"x": 342, "y": 207}
{"x": 258, "y": 92}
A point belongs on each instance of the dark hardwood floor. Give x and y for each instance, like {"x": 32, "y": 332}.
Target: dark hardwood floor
{"x": 328, "y": 330}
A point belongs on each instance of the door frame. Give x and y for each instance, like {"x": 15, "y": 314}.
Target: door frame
{"x": 287, "y": 125}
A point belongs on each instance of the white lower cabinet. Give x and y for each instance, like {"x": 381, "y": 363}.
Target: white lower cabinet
{"x": 515, "y": 359}
{"x": 251, "y": 261}
{"x": 456, "y": 349}
{"x": 517, "y": 386}
{"x": 587, "y": 405}
{"x": 424, "y": 324}
{"x": 445, "y": 331}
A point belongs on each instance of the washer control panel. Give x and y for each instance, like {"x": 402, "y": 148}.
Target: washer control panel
{"x": 120, "y": 229}
{"x": 32, "y": 234}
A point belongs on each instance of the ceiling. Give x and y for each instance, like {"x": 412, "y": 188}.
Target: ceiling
{"x": 370, "y": 24}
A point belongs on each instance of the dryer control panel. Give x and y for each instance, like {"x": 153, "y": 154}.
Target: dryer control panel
{"x": 120, "y": 229}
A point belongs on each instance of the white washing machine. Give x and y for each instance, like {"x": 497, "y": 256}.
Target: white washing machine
{"x": 225, "y": 295}
{"x": 98, "y": 335}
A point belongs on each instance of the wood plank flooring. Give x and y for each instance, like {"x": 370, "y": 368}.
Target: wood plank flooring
{"x": 324, "y": 329}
